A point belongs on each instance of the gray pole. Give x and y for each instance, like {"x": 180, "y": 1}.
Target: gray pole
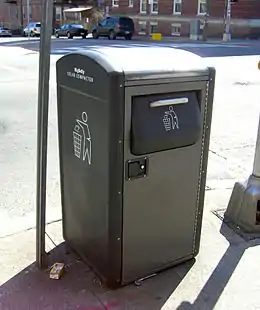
{"x": 28, "y": 18}
{"x": 256, "y": 167}
{"x": 206, "y": 20}
{"x": 21, "y": 13}
{"x": 227, "y": 35}
{"x": 243, "y": 209}
{"x": 42, "y": 128}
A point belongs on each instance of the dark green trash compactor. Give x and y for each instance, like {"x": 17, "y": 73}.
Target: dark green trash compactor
{"x": 134, "y": 126}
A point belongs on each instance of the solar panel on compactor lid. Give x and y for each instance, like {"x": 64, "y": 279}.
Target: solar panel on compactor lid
{"x": 151, "y": 59}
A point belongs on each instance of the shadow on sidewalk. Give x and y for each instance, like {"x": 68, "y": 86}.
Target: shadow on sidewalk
{"x": 214, "y": 287}
{"x": 33, "y": 289}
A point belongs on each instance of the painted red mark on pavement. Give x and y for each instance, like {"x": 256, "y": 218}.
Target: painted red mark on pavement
{"x": 91, "y": 308}
{"x": 242, "y": 44}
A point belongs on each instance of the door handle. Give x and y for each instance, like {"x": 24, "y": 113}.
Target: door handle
{"x": 162, "y": 103}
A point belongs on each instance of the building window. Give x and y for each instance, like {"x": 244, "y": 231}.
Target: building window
{"x": 143, "y": 6}
{"x": 176, "y": 30}
{"x": 25, "y": 13}
{"x": 202, "y": 7}
{"x": 177, "y": 6}
{"x": 154, "y": 6}
{"x": 131, "y": 3}
{"x": 64, "y": 17}
{"x": 58, "y": 13}
{"x": 115, "y": 3}
{"x": 153, "y": 27}
{"x": 142, "y": 27}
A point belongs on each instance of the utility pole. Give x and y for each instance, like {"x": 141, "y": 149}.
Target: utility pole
{"x": 149, "y": 8}
{"x": 21, "y": 13}
{"x": 28, "y": 18}
{"x": 206, "y": 20}
{"x": 256, "y": 166}
{"x": 54, "y": 15}
{"x": 243, "y": 210}
{"x": 227, "y": 34}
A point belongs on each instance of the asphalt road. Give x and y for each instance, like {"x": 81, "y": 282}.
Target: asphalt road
{"x": 217, "y": 49}
{"x": 234, "y": 127}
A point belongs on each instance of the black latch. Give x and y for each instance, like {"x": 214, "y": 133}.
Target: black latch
{"x": 136, "y": 168}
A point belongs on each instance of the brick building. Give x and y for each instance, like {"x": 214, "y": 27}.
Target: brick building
{"x": 170, "y": 17}
{"x": 9, "y": 14}
{"x": 14, "y": 13}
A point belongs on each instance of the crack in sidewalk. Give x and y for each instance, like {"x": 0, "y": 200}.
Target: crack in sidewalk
{"x": 239, "y": 147}
{"x": 208, "y": 188}
{"x": 28, "y": 229}
{"x": 215, "y": 153}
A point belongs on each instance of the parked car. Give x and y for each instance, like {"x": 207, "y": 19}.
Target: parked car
{"x": 5, "y": 32}
{"x": 34, "y": 29}
{"x": 113, "y": 27}
{"x": 71, "y": 30}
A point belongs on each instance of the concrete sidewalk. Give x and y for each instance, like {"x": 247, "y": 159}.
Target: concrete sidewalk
{"x": 216, "y": 280}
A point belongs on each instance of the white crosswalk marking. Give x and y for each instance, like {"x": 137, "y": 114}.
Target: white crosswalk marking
{"x": 75, "y": 48}
{"x": 71, "y": 49}
{"x": 67, "y": 50}
{"x": 61, "y": 51}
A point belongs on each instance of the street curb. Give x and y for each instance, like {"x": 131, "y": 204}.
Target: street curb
{"x": 13, "y": 50}
{"x": 177, "y": 40}
{"x": 210, "y": 41}
{"x": 9, "y": 43}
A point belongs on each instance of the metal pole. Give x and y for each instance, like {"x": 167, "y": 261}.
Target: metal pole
{"x": 28, "y": 18}
{"x": 227, "y": 35}
{"x": 21, "y": 12}
{"x": 243, "y": 207}
{"x": 149, "y": 7}
{"x": 42, "y": 129}
{"x": 54, "y": 16}
{"x": 256, "y": 167}
{"x": 206, "y": 20}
